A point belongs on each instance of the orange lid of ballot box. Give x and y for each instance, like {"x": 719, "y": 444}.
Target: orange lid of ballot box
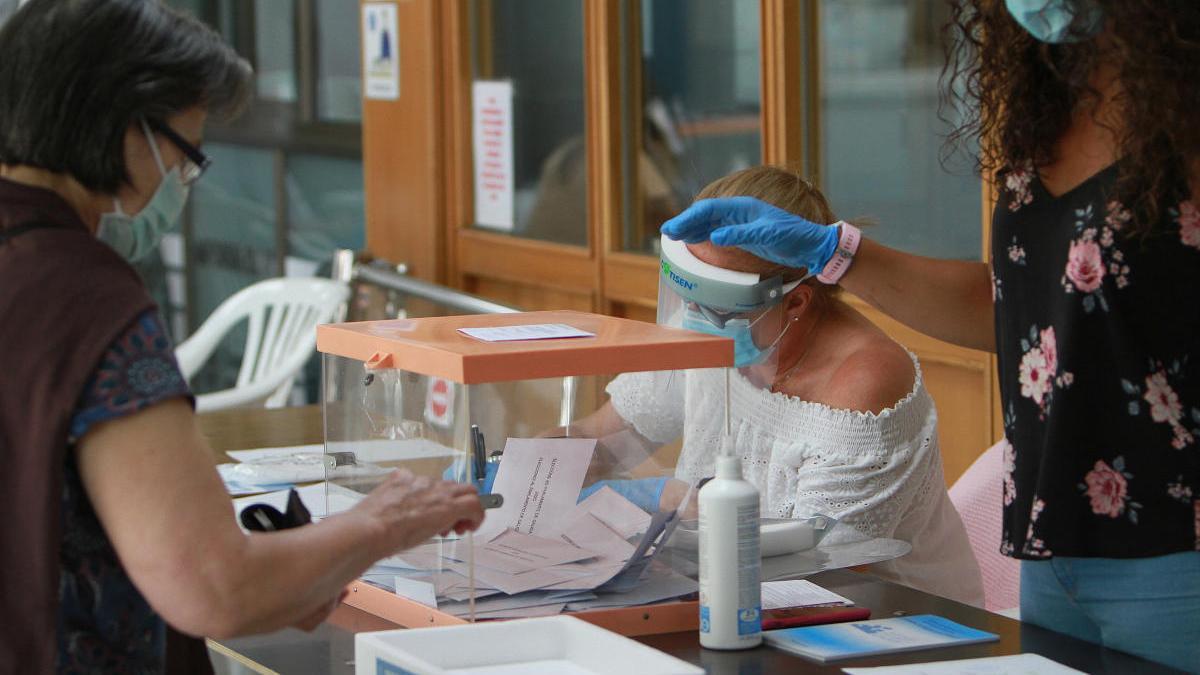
{"x": 433, "y": 346}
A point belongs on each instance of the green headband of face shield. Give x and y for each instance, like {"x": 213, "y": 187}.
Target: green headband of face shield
{"x": 722, "y": 291}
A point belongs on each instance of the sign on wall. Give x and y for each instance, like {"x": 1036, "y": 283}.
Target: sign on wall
{"x": 381, "y": 51}
{"x": 493, "y": 140}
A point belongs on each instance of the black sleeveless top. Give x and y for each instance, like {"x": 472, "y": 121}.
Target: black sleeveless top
{"x": 1098, "y": 338}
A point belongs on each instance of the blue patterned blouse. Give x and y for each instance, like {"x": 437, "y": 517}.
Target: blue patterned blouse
{"x": 104, "y": 623}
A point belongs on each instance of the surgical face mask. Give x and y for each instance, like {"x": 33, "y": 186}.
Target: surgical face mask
{"x": 746, "y": 351}
{"x": 135, "y": 236}
{"x": 1051, "y": 20}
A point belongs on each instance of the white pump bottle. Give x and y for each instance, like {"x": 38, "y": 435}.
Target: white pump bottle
{"x": 730, "y": 561}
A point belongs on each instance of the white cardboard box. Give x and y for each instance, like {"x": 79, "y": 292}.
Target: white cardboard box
{"x": 562, "y": 645}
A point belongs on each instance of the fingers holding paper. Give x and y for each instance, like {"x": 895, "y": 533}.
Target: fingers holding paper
{"x": 412, "y": 509}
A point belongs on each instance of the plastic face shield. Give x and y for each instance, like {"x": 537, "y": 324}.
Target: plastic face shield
{"x": 696, "y": 295}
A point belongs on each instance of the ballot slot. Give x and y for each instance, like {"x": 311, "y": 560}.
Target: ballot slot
{"x": 586, "y": 488}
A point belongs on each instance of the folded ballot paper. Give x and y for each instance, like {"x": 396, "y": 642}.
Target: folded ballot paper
{"x": 543, "y": 551}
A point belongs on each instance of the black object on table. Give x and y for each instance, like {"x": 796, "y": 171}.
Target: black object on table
{"x": 267, "y": 518}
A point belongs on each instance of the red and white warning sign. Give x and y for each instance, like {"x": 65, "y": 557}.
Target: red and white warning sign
{"x": 439, "y": 402}
{"x": 493, "y": 153}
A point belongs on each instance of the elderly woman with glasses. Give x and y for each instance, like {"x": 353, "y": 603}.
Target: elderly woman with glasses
{"x": 116, "y": 523}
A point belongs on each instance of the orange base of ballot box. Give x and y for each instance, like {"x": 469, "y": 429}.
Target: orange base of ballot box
{"x": 671, "y": 617}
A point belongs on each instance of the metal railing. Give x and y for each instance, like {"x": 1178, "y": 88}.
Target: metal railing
{"x": 385, "y": 276}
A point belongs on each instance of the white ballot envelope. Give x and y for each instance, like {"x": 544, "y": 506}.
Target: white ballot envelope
{"x": 540, "y": 480}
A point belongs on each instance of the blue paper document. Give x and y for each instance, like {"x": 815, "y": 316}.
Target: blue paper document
{"x": 837, "y": 642}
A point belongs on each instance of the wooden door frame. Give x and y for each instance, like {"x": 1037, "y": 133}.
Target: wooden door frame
{"x": 403, "y": 151}
{"x": 419, "y": 175}
{"x": 616, "y": 279}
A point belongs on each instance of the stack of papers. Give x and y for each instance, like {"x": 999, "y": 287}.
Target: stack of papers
{"x": 269, "y": 469}
{"x": 542, "y": 552}
{"x": 1016, "y": 664}
{"x": 517, "y": 575}
{"x": 799, "y": 593}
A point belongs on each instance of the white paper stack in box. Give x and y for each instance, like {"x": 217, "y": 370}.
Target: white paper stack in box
{"x": 565, "y": 540}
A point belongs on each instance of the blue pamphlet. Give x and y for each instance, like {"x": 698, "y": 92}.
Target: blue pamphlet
{"x": 840, "y": 641}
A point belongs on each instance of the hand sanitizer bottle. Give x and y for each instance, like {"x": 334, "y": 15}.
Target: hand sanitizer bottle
{"x": 730, "y": 564}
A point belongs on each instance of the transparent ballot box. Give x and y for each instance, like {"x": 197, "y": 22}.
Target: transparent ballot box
{"x": 578, "y": 437}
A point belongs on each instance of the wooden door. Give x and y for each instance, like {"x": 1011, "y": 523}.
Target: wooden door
{"x": 599, "y": 153}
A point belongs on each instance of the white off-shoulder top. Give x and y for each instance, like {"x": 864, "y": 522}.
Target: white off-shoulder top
{"x": 880, "y": 474}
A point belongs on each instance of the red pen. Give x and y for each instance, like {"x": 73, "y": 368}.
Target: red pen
{"x": 774, "y": 619}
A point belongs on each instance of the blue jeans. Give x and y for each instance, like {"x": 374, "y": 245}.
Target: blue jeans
{"x": 1149, "y": 607}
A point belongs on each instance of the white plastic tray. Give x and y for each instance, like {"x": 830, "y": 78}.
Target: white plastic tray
{"x": 559, "y": 644}
{"x": 778, "y": 536}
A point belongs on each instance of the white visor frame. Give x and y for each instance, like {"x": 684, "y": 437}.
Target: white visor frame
{"x": 716, "y": 288}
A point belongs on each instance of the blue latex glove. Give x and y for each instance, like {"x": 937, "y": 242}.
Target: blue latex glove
{"x": 759, "y": 228}
{"x": 484, "y": 485}
{"x": 645, "y": 493}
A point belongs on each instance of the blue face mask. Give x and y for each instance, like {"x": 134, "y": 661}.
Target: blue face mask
{"x": 1052, "y": 20}
{"x": 133, "y": 237}
{"x": 745, "y": 351}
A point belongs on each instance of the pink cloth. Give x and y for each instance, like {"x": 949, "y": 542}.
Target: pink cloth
{"x": 977, "y": 496}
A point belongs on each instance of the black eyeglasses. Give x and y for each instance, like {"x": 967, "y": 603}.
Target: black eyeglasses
{"x": 197, "y": 162}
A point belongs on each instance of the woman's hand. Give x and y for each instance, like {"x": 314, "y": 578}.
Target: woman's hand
{"x": 759, "y": 228}
{"x": 950, "y": 300}
{"x": 677, "y": 495}
{"x": 410, "y": 509}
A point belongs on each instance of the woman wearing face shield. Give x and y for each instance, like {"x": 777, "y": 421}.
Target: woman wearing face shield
{"x": 1086, "y": 112}
{"x": 116, "y": 522}
{"x": 828, "y": 414}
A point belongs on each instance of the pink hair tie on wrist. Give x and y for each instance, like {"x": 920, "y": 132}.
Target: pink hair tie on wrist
{"x": 848, "y": 242}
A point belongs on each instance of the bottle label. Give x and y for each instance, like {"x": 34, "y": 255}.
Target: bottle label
{"x": 749, "y": 621}
{"x": 749, "y": 567}
{"x": 705, "y": 624}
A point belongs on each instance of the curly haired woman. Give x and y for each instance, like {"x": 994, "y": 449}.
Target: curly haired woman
{"x": 1086, "y": 111}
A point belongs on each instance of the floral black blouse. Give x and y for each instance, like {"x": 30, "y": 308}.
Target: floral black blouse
{"x": 1098, "y": 337}
{"x": 104, "y": 623}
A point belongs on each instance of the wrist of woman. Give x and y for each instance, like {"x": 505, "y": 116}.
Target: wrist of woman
{"x": 849, "y": 239}
{"x": 371, "y": 533}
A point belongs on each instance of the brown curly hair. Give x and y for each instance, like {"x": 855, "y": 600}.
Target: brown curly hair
{"x": 1016, "y": 95}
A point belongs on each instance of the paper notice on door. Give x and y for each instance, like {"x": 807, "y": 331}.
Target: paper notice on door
{"x": 540, "y": 479}
{"x": 381, "y": 51}
{"x": 492, "y": 113}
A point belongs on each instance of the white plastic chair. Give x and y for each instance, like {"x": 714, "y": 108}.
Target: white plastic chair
{"x": 283, "y": 315}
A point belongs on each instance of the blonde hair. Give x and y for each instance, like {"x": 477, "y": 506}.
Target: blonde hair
{"x": 780, "y": 187}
